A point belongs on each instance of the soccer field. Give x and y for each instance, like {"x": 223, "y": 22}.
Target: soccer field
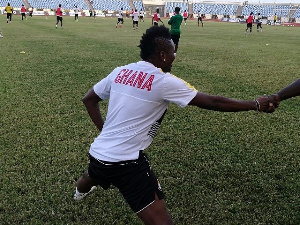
{"x": 214, "y": 167}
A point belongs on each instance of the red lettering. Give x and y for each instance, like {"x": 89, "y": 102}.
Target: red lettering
{"x": 131, "y": 79}
{"x": 148, "y": 83}
{"x": 118, "y": 79}
{"x": 135, "y": 80}
{"x": 126, "y": 75}
{"x": 140, "y": 79}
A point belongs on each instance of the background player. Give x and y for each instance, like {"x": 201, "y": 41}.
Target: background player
{"x": 275, "y": 19}
{"x": 135, "y": 20}
{"x": 156, "y": 18}
{"x": 185, "y": 16}
{"x": 175, "y": 22}
{"x": 9, "y": 12}
{"x": 259, "y": 21}
{"x": 142, "y": 15}
{"x": 59, "y": 15}
{"x": 76, "y": 11}
{"x": 200, "y": 19}
{"x": 249, "y": 22}
{"x": 23, "y": 12}
{"x": 120, "y": 18}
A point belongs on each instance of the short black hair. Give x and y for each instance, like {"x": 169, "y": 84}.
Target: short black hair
{"x": 177, "y": 9}
{"x": 155, "y": 39}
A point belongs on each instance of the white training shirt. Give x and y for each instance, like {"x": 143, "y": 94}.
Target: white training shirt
{"x": 135, "y": 16}
{"x": 139, "y": 95}
{"x": 120, "y": 14}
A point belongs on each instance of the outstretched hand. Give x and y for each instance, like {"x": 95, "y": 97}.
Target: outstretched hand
{"x": 264, "y": 104}
{"x": 275, "y": 100}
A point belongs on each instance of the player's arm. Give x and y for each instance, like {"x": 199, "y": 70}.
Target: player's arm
{"x": 91, "y": 101}
{"x": 290, "y": 91}
{"x": 170, "y": 21}
{"x": 220, "y": 103}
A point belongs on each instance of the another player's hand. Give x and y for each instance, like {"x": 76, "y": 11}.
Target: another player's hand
{"x": 275, "y": 100}
{"x": 265, "y": 105}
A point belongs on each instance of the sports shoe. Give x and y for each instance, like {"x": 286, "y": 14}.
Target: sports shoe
{"x": 79, "y": 196}
{"x": 1, "y": 36}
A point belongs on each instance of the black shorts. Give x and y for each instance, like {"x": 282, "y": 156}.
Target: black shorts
{"x": 58, "y": 18}
{"x": 184, "y": 19}
{"x": 175, "y": 38}
{"x": 249, "y": 25}
{"x": 200, "y": 19}
{"x": 135, "y": 180}
{"x": 120, "y": 20}
{"x": 135, "y": 22}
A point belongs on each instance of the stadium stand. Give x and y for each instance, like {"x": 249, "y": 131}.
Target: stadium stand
{"x": 139, "y": 5}
{"x": 53, "y": 4}
{"x": 13, "y": 3}
{"x": 297, "y": 13}
{"x": 215, "y": 9}
{"x": 110, "y": 5}
{"x": 267, "y": 10}
{"x": 170, "y": 6}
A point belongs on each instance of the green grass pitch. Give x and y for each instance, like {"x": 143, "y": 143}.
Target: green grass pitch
{"x": 215, "y": 168}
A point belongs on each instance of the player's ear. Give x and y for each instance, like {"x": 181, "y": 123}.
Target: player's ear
{"x": 162, "y": 55}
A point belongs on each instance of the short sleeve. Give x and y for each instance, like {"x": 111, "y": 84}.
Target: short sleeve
{"x": 102, "y": 88}
{"x": 178, "y": 91}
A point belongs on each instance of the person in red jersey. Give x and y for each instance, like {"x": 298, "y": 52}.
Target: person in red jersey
{"x": 185, "y": 16}
{"x": 59, "y": 15}
{"x": 23, "y": 12}
{"x": 249, "y": 22}
{"x": 156, "y": 18}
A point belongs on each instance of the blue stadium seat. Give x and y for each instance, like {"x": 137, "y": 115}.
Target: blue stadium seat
{"x": 111, "y": 5}
{"x": 13, "y": 3}
{"x": 267, "y": 10}
{"x": 53, "y": 4}
{"x": 170, "y": 6}
{"x": 215, "y": 9}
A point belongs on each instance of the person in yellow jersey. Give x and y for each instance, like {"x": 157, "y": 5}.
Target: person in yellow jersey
{"x": 275, "y": 19}
{"x": 9, "y": 11}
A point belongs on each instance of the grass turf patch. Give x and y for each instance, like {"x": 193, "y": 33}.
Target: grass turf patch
{"x": 215, "y": 168}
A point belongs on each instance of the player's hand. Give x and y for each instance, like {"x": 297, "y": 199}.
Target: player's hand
{"x": 264, "y": 104}
{"x": 275, "y": 100}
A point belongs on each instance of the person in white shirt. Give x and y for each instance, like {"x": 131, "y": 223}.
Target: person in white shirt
{"x": 142, "y": 15}
{"x": 259, "y": 22}
{"x": 76, "y": 13}
{"x": 139, "y": 94}
{"x": 120, "y": 18}
{"x": 200, "y": 19}
{"x": 135, "y": 20}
